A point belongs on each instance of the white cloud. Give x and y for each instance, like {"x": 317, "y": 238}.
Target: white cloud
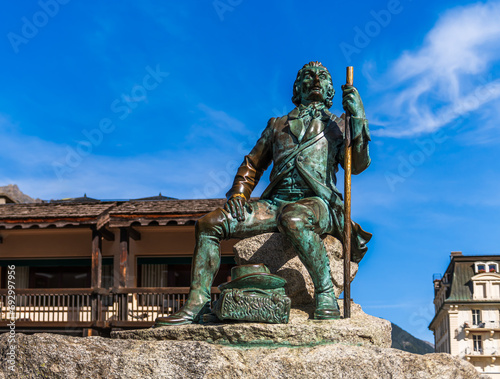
{"x": 217, "y": 127}
{"x": 447, "y": 77}
{"x": 189, "y": 172}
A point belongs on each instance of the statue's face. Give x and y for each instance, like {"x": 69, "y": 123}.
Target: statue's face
{"x": 314, "y": 84}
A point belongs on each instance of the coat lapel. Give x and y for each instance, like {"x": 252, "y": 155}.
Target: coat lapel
{"x": 316, "y": 125}
{"x": 297, "y": 128}
{"x": 296, "y": 124}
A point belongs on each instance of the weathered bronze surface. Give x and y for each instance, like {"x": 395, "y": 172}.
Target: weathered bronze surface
{"x": 302, "y": 201}
{"x": 253, "y": 276}
{"x": 253, "y": 294}
{"x": 254, "y": 305}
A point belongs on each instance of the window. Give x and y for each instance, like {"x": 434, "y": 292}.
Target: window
{"x": 492, "y": 267}
{"x": 107, "y": 277}
{"x": 58, "y": 273}
{"x": 477, "y": 343}
{"x": 495, "y": 290}
{"x": 480, "y": 290}
{"x": 476, "y": 316}
{"x": 59, "y": 277}
{"x": 480, "y": 268}
{"x": 175, "y": 271}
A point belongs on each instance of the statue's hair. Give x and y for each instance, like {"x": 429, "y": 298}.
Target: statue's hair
{"x": 330, "y": 92}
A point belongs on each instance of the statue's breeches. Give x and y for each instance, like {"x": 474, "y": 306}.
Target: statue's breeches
{"x": 266, "y": 216}
{"x": 301, "y": 221}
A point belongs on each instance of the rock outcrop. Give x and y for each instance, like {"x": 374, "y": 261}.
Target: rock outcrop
{"x": 56, "y": 356}
{"x": 304, "y": 348}
{"x": 360, "y": 330}
{"x": 13, "y": 191}
{"x": 276, "y": 253}
{"x": 358, "y": 347}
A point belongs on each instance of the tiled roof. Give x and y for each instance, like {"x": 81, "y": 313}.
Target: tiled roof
{"x": 168, "y": 207}
{"x": 462, "y": 272}
{"x": 461, "y": 286}
{"x": 50, "y": 214}
{"x": 116, "y": 214}
{"x": 50, "y": 210}
{"x": 171, "y": 212}
{"x": 159, "y": 197}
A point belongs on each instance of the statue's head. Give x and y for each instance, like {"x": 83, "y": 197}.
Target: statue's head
{"x": 313, "y": 83}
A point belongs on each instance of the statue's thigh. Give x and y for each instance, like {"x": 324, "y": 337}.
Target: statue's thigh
{"x": 260, "y": 217}
{"x": 315, "y": 211}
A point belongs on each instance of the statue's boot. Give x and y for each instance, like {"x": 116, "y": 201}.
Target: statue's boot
{"x": 327, "y": 307}
{"x": 298, "y": 224}
{"x": 191, "y": 313}
{"x": 205, "y": 265}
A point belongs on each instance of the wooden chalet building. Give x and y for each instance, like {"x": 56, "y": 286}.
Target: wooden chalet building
{"x": 89, "y": 266}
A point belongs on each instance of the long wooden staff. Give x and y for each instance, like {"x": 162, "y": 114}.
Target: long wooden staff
{"x": 347, "y": 205}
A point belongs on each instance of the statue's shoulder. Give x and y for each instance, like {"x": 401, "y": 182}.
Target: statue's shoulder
{"x": 292, "y": 115}
{"x": 336, "y": 125}
{"x": 338, "y": 120}
{"x": 279, "y": 122}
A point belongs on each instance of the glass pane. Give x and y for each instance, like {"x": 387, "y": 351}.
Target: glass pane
{"x": 59, "y": 277}
{"x": 476, "y": 316}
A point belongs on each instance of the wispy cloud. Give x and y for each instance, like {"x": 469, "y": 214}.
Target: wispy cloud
{"x": 29, "y": 152}
{"x": 447, "y": 77}
{"x": 227, "y": 135}
{"x": 208, "y": 172}
{"x": 218, "y": 127}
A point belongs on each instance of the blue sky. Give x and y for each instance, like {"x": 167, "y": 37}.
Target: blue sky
{"x": 129, "y": 99}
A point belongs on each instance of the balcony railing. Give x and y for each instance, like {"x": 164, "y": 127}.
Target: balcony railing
{"x": 489, "y": 354}
{"x": 482, "y": 325}
{"x": 88, "y": 308}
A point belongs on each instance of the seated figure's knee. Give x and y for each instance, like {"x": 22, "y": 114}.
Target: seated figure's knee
{"x": 295, "y": 217}
{"x": 211, "y": 224}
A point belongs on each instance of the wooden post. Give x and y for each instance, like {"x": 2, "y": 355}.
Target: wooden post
{"x": 123, "y": 262}
{"x": 96, "y": 274}
{"x": 96, "y": 271}
{"x": 347, "y": 205}
{"x": 123, "y": 269}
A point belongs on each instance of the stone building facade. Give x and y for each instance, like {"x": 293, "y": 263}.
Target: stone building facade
{"x": 467, "y": 305}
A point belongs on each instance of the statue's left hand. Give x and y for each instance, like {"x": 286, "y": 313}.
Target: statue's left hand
{"x": 351, "y": 101}
{"x": 235, "y": 206}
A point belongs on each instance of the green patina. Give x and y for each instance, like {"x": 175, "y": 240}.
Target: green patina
{"x": 253, "y": 294}
{"x": 302, "y": 201}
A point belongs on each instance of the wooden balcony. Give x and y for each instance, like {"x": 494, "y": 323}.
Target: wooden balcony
{"x": 87, "y": 308}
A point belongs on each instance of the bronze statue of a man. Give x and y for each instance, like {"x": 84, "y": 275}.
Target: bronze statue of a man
{"x": 302, "y": 201}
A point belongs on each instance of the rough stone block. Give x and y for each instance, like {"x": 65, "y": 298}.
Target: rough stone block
{"x": 276, "y": 253}
{"x": 55, "y": 356}
{"x": 361, "y": 329}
